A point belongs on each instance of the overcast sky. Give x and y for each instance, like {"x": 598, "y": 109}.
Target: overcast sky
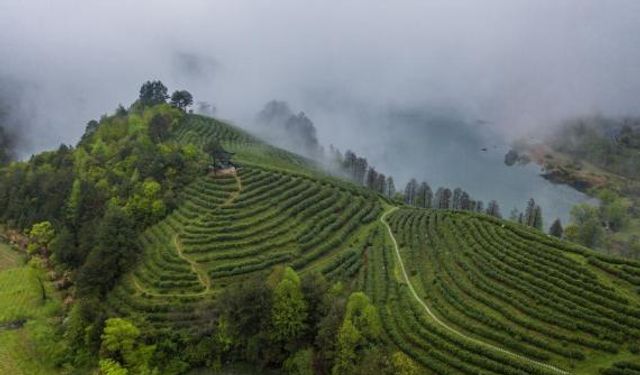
{"x": 519, "y": 65}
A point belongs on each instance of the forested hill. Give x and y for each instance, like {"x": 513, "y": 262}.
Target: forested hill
{"x": 179, "y": 242}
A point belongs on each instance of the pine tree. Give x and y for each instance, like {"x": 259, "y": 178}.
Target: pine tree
{"x": 372, "y": 178}
{"x": 556, "y": 229}
{"x": 437, "y": 198}
{"x": 493, "y": 209}
{"x": 529, "y": 213}
{"x": 471, "y": 206}
{"x": 153, "y": 93}
{"x": 443, "y": 199}
{"x": 381, "y": 184}
{"x": 424, "y": 196}
{"x": 457, "y": 198}
{"x": 410, "y": 192}
{"x": 479, "y": 206}
{"x": 428, "y": 196}
{"x": 336, "y": 156}
{"x": 465, "y": 201}
{"x": 361, "y": 170}
{"x": 349, "y": 164}
{"x": 537, "y": 218}
{"x": 391, "y": 187}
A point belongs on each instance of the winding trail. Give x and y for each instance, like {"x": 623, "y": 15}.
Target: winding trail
{"x": 233, "y": 196}
{"x": 444, "y": 325}
{"x": 203, "y": 278}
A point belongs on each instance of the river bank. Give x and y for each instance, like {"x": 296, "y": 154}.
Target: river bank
{"x": 560, "y": 168}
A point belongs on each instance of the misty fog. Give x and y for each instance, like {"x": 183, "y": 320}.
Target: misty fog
{"x": 371, "y": 75}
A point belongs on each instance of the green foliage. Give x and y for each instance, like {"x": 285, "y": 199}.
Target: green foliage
{"x": 146, "y": 205}
{"x": 289, "y": 310}
{"x": 613, "y": 209}
{"x": 36, "y": 191}
{"x": 40, "y": 235}
{"x": 359, "y": 331}
{"x": 20, "y": 294}
{"x": 364, "y": 316}
{"x": 111, "y": 367}
{"x": 348, "y": 339}
{"x": 556, "y": 229}
{"x": 609, "y": 143}
{"x": 115, "y": 251}
{"x": 30, "y": 338}
{"x": 136, "y": 187}
{"x": 181, "y": 99}
{"x": 315, "y": 288}
{"x": 119, "y": 337}
{"x": 160, "y": 127}
{"x": 404, "y": 365}
{"x": 122, "y": 349}
{"x": 300, "y": 363}
{"x": 469, "y": 268}
{"x": 153, "y": 93}
{"x": 586, "y": 228}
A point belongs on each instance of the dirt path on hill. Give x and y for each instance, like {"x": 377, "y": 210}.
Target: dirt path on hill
{"x": 440, "y": 322}
{"x": 203, "y": 278}
{"x": 233, "y": 196}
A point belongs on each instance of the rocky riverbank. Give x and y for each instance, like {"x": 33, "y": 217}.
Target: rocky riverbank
{"x": 560, "y": 169}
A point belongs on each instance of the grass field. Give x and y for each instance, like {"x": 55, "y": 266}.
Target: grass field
{"x": 21, "y": 299}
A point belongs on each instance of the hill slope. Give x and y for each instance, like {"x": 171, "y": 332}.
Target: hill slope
{"x": 456, "y": 292}
{"x": 501, "y": 298}
{"x": 498, "y": 286}
{"x": 230, "y": 227}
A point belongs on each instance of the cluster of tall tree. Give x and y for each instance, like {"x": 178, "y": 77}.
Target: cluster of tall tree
{"x": 421, "y": 195}
{"x": 86, "y": 205}
{"x": 360, "y": 172}
{"x": 278, "y": 320}
{"x": 531, "y": 216}
{"x": 302, "y": 324}
{"x": 592, "y": 226}
{"x": 155, "y": 92}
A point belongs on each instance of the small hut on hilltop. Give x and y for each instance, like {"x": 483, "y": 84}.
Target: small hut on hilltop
{"x": 221, "y": 159}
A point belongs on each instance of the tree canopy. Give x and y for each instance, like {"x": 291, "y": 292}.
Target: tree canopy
{"x": 153, "y": 93}
{"x": 181, "y": 99}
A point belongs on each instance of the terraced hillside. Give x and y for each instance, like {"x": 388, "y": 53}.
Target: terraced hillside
{"x": 229, "y": 227}
{"x": 458, "y": 292}
{"x": 199, "y": 130}
{"x": 492, "y": 297}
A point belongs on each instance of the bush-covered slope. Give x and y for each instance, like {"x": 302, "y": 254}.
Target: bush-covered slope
{"x": 508, "y": 287}
{"x": 229, "y": 227}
